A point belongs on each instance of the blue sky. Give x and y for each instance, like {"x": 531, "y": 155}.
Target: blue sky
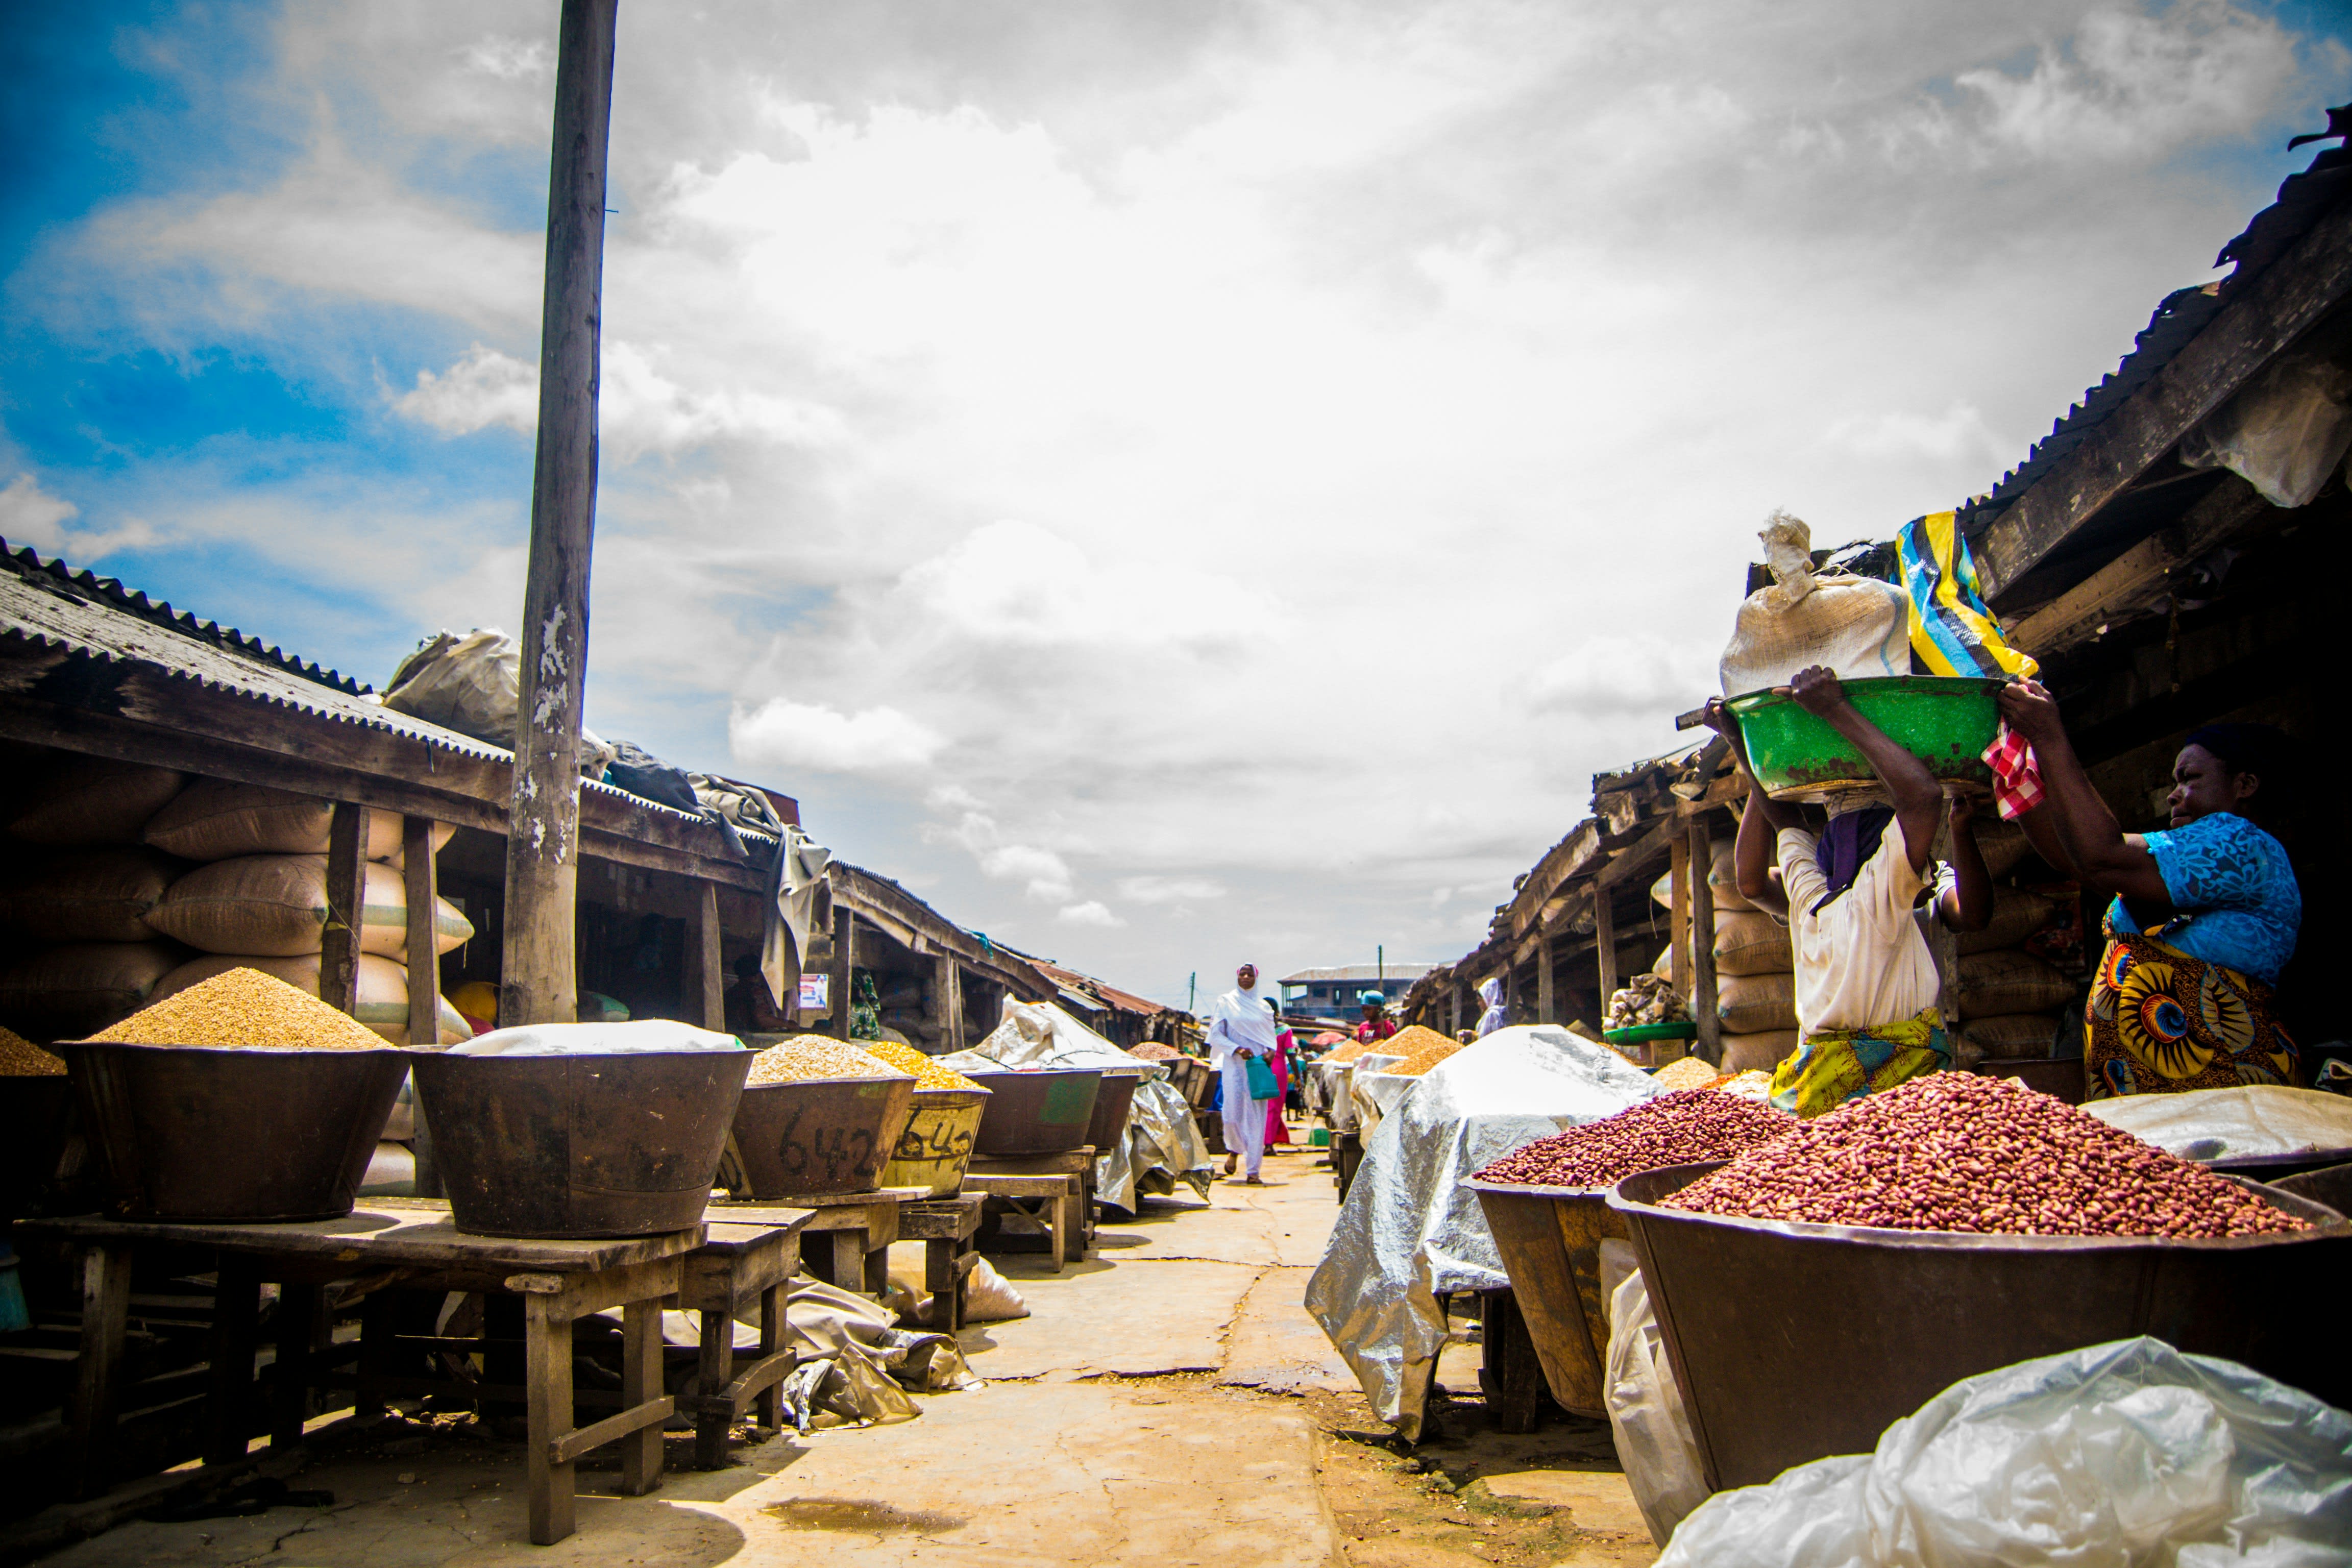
{"x": 1186, "y": 482}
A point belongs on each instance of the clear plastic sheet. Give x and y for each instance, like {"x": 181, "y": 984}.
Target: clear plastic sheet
{"x": 1163, "y": 1144}
{"x": 1410, "y": 1231}
{"x": 2124, "y": 1453}
{"x": 1646, "y": 1419}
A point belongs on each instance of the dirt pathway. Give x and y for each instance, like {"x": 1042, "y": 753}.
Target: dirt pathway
{"x": 1167, "y": 1402}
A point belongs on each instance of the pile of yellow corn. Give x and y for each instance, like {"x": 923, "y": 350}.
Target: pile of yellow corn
{"x": 19, "y": 1057}
{"x": 806, "y": 1057}
{"x": 928, "y": 1073}
{"x": 244, "y": 1007}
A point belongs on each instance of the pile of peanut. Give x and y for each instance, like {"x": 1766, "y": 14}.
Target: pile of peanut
{"x": 1957, "y": 1151}
{"x": 1678, "y": 1129}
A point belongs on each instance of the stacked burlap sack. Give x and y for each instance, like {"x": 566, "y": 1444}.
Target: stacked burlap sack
{"x": 136, "y": 883}
{"x": 1755, "y": 979}
{"x": 2013, "y": 1004}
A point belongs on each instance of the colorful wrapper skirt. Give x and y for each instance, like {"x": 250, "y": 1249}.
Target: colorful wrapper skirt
{"x": 1834, "y": 1065}
{"x": 2159, "y": 1022}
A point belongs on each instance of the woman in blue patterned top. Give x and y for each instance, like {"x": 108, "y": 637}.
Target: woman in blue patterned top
{"x": 2204, "y": 914}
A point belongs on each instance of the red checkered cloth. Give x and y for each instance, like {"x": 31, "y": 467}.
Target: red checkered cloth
{"x": 2016, "y": 775}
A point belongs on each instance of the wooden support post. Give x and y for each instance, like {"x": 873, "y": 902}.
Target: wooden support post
{"x": 1604, "y": 944}
{"x": 641, "y": 1384}
{"x": 1702, "y": 995}
{"x": 98, "y": 1368}
{"x": 298, "y": 1311}
{"x": 236, "y": 1308}
{"x": 947, "y": 1000}
{"x": 1546, "y": 997}
{"x": 338, "y": 960}
{"x": 547, "y": 1375}
{"x": 540, "y": 982}
{"x": 1678, "y": 910}
{"x": 421, "y": 882}
{"x": 706, "y": 980}
{"x": 844, "y": 966}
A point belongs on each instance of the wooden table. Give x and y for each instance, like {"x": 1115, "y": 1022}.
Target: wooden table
{"x": 751, "y": 1253}
{"x": 946, "y": 1228}
{"x": 1078, "y": 1162}
{"x": 1508, "y": 1373}
{"x": 1347, "y": 1154}
{"x": 1057, "y": 1198}
{"x": 852, "y": 1232}
{"x": 407, "y": 1244}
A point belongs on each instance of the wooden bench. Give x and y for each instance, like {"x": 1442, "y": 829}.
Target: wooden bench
{"x": 1078, "y": 1162}
{"x": 946, "y": 1228}
{"x": 846, "y": 1241}
{"x": 410, "y": 1244}
{"x": 749, "y": 1254}
{"x": 1054, "y": 1214}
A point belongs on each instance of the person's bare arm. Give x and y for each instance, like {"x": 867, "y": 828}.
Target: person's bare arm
{"x": 2041, "y": 826}
{"x": 1967, "y": 904}
{"x": 2095, "y": 846}
{"x": 1918, "y": 798}
{"x": 1756, "y": 852}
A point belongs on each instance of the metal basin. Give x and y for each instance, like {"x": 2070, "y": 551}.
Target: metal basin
{"x": 2331, "y": 1186}
{"x": 1107, "y": 1127}
{"x": 1791, "y": 1343}
{"x": 1036, "y": 1112}
{"x": 935, "y": 1149}
{"x": 1550, "y": 1238}
{"x": 1945, "y": 720}
{"x": 2276, "y": 1168}
{"x": 239, "y": 1135}
{"x": 580, "y": 1145}
{"x": 820, "y": 1136}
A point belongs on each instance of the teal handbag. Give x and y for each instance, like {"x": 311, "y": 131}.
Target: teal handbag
{"x": 1262, "y": 1082}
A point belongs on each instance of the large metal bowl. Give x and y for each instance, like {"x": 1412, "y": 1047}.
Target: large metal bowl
{"x": 1107, "y": 1127}
{"x": 1791, "y": 1343}
{"x": 820, "y": 1136}
{"x": 625, "y": 1144}
{"x": 1947, "y": 722}
{"x": 1549, "y": 1239}
{"x": 1047, "y": 1112}
{"x": 242, "y": 1134}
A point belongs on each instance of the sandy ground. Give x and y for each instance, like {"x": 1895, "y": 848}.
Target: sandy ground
{"x": 1168, "y": 1402}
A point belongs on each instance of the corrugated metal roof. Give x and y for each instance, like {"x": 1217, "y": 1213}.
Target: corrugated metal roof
{"x": 45, "y": 604}
{"x": 2303, "y": 199}
{"x": 1395, "y": 970}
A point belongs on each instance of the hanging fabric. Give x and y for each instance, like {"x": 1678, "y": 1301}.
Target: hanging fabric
{"x": 1952, "y": 632}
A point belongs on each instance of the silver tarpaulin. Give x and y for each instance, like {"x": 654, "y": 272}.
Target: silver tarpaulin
{"x": 1410, "y": 1231}
{"x": 1163, "y": 1145}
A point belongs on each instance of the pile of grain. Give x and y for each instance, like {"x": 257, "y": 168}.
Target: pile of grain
{"x": 928, "y": 1073}
{"x": 19, "y": 1057}
{"x": 1422, "y": 1050}
{"x": 244, "y": 1007}
{"x": 1678, "y": 1129}
{"x": 1153, "y": 1051}
{"x": 1690, "y": 1072}
{"x": 1959, "y": 1152}
{"x": 806, "y": 1057}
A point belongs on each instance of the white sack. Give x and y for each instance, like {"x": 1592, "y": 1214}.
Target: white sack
{"x": 1409, "y": 1230}
{"x": 2126, "y": 1453}
{"x": 2283, "y": 433}
{"x": 2244, "y": 1121}
{"x": 642, "y": 1035}
{"x": 1859, "y": 627}
{"x": 1653, "y": 1433}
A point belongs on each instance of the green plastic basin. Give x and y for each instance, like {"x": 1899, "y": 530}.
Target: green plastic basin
{"x": 1947, "y": 722}
{"x": 1635, "y": 1034}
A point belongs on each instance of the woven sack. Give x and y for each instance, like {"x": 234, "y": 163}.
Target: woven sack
{"x": 1751, "y": 1004}
{"x": 2013, "y": 1037}
{"x": 1992, "y": 983}
{"x": 1759, "y": 1052}
{"x": 276, "y": 906}
{"x": 68, "y": 992}
{"x": 92, "y": 800}
{"x": 84, "y": 895}
{"x": 1751, "y": 943}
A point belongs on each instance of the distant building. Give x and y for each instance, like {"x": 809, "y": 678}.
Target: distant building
{"x": 1334, "y": 992}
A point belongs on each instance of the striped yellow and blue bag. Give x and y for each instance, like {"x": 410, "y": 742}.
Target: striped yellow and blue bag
{"x": 1952, "y": 632}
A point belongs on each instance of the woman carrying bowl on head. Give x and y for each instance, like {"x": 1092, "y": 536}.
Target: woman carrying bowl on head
{"x": 2203, "y": 916}
{"x": 1848, "y": 891}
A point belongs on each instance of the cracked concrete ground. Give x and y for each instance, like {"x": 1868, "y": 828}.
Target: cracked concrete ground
{"x": 1168, "y": 1401}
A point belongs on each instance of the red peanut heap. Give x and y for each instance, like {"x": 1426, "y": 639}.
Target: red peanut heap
{"x": 1959, "y": 1151}
{"x": 1676, "y": 1128}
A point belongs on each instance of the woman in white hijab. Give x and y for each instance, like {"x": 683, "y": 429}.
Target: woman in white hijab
{"x": 1497, "y": 1015}
{"x": 1241, "y": 1026}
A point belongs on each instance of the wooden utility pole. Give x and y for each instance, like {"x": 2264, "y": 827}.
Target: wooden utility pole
{"x": 1702, "y": 989}
{"x": 539, "y": 983}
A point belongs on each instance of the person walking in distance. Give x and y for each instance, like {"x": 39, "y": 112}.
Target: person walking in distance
{"x": 1242, "y": 1031}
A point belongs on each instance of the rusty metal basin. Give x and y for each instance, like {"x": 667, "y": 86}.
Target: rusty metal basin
{"x": 820, "y": 1136}
{"x": 1549, "y": 1239}
{"x": 1791, "y": 1343}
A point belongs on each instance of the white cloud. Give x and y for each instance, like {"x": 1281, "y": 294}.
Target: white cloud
{"x": 1169, "y": 889}
{"x": 1626, "y": 674}
{"x": 1958, "y": 433}
{"x": 786, "y": 736}
{"x": 1046, "y": 875}
{"x": 1093, "y": 912}
{"x": 31, "y": 515}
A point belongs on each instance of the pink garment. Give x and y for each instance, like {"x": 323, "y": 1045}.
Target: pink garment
{"x": 1276, "y": 1132}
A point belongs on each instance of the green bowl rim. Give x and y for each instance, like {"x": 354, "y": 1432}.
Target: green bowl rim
{"x": 1635, "y": 1034}
{"x": 1767, "y": 694}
